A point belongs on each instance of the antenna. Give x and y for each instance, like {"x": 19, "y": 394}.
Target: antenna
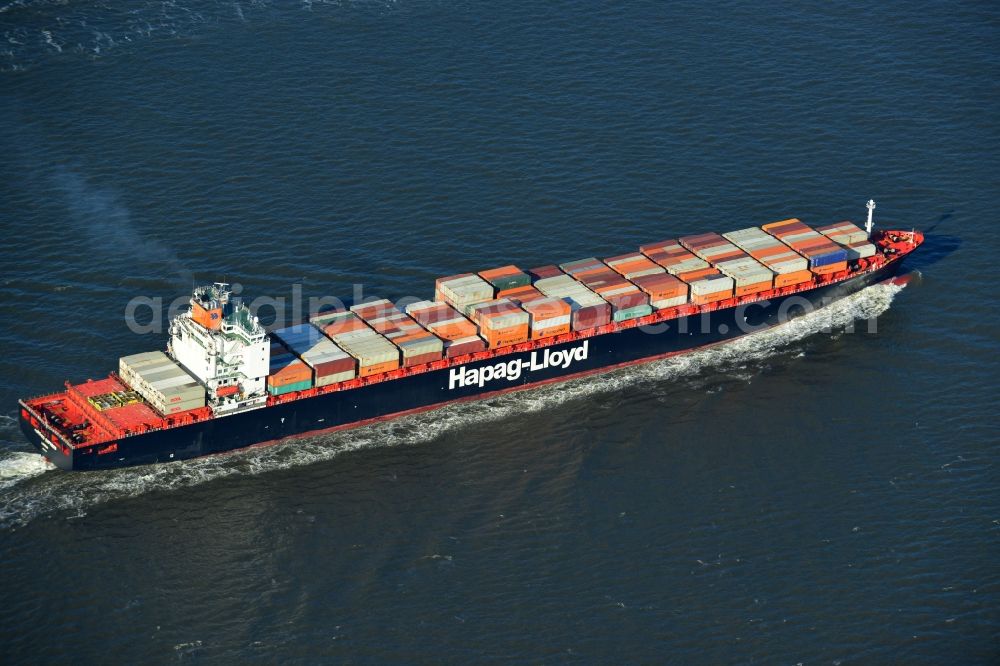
{"x": 871, "y": 209}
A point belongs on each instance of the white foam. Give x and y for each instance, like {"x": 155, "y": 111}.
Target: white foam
{"x": 18, "y": 466}
{"x": 75, "y": 493}
{"x": 51, "y": 42}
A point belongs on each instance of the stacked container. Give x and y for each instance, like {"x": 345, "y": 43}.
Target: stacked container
{"x": 462, "y": 291}
{"x": 853, "y": 239}
{"x": 336, "y": 322}
{"x": 588, "y": 309}
{"x": 790, "y": 267}
{"x": 505, "y": 279}
{"x": 329, "y": 363}
{"x": 860, "y": 250}
{"x": 712, "y": 247}
{"x": 373, "y": 352}
{"x": 162, "y": 382}
{"x": 287, "y": 373}
{"x": 501, "y": 322}
{"x": 844, "y": 233}
{"x": 524, "y": 294}
{"x": 824, "y": 255}
{"x": 620, "y": 293}
{"x": 627, "y": 301}
{"x": 672, "y": 256}
{"x": 583, "y": 266}
{"x": 549, "y": 316}
{"x": 708, "y": 285}
{"x": 415, "y": 343}
{"x": 633, "y": 265}
{"x": 665, "y": 290}
{"x": 458, "y": 333}
{"x": 748, "y": 275}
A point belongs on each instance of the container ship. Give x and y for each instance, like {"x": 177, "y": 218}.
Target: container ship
{"x": 225, "y": 383}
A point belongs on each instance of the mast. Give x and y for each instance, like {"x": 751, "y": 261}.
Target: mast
{"x": 871, "y": 209}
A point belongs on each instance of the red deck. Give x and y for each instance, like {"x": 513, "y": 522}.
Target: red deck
{"x": 95, "y": 387}
{"x": 72, "y": 421}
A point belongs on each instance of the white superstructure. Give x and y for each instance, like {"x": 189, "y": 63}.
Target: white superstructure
{"x": 223, "y": 345}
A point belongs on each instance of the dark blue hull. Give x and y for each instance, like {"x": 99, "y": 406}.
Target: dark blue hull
{"x": 474, "y": 380}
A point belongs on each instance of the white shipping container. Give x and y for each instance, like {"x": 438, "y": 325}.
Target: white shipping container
{"x": 846, "y": 233}
{"x": 561, "y": 320}
{"x": 647, "y": 271}
{"x": 334, "y": 378}
{"x": 711, "y": 284}
{"x": 511, "y": 320}
{"x": 469, "y": 289}
{"x": 860, "y": 251}
{"x": 554, "y": 282}
{"x": 669, "y": 302}
{"x": 161, "y": 381}
{"x": 686, "y": 265}
{"x": 418, "y": 347}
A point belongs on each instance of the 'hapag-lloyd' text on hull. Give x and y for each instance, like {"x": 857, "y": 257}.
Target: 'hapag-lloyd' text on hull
{"x": 225, "y": 383}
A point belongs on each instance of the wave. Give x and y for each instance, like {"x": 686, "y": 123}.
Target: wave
{"x": 37, "y": 30}
{"x": 18, "y": 466}
{"x": 26, "y": 492}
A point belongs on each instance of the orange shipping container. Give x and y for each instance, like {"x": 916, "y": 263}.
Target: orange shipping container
{"x": 503, "y": 271}
{"x": 728, "y": 256}
{"x": 787, "y": 279}
{"x": 340, "y": 323}
{"x": 369, "y": 370}
{"x": 711, "y": 298}
{"x": 455, "y": 331}
{"x": 290, "y": 374}
{"x": 661, "y": 286}
{"x": 690, "y": 276}
{"x": 522, "y": 295}
{"x": 771, "y": 226}
{"x": 772, "y": 251}
{"x": 754, "y": 288}
{"x": 831, "y": 268}
{"x": 513, "y": 293}
{"x": 505, "y": 337}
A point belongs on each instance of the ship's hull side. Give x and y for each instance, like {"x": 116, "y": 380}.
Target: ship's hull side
{"x": 431, "y": 389}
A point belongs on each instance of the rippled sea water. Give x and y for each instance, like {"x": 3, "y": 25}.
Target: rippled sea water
{"x": 813, "y": 494}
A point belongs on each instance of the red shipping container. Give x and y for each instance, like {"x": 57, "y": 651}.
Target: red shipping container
{"x": 591, "y": 316}
{"x": 542, "y": 272}
{"x": 464, "y": 346}
{"x": 629, "y": 300}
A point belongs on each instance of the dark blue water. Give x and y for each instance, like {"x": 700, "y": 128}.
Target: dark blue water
{"x": 811, "y": 495}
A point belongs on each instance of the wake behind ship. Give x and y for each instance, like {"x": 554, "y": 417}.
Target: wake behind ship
{"x": 225, "y": 383}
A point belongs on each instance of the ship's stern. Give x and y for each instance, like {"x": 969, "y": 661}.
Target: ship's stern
{"x": 34, "y": 431}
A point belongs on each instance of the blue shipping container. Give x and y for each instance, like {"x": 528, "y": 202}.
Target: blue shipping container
{"x": 829, "y": 258}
